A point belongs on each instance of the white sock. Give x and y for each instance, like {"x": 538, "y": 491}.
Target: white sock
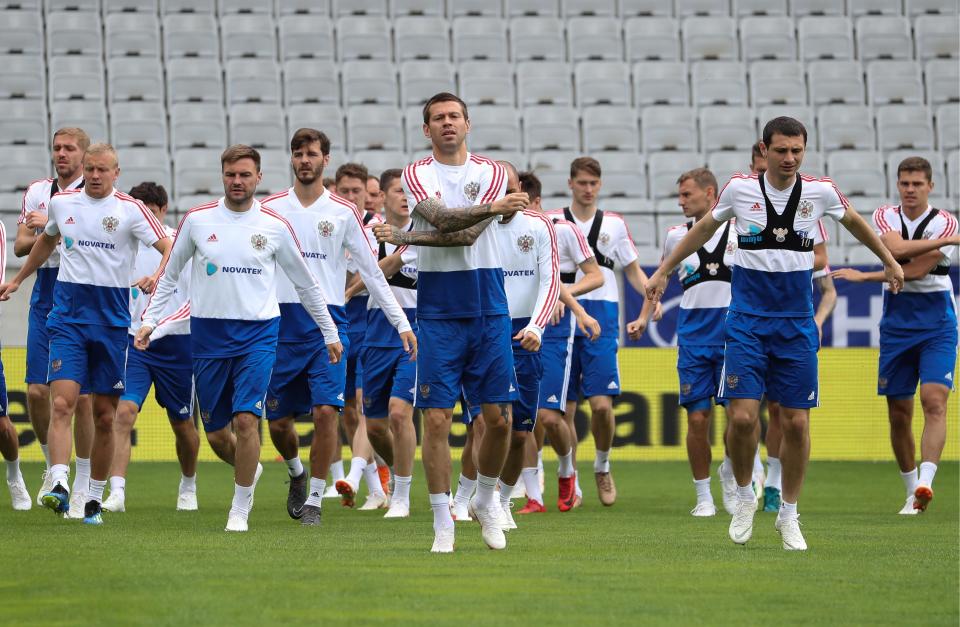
{"x": 909, "y": 481}
{"x": 601, "y": 462}
{"x": 401, "y": 489}
{"x": 566, "y": 465}
{"x": 773, "y": 472}
{"x": 95, "y": 493}
{"x": 726, "y": 468}
{"x": 928, "y": 471}
{"x": 440, "y": 504}
{"x": 540, "y": 461}
{"x": 357, "y": 464}
{"x": 13, "y": 470}
{"x": 465, "y": 488}
{"x": 702, "y": 486}
{"x": 336, "y": 470}
{"x": 118, "y": 485}
{"x": 81, "y": 480}
{"x": 60, "y": 473}
{"x": 315, "y": 494}
{"x": 757, "y": 462}
{"x": 787, "y": 510}
{"x": 294, "y": 466}
{"x": 486, "y": 486}
{"x": 46, "y": 455}
{"x": 505, "y": 492}
{"x": 531, "y": 483}
{"x": 372, "y": 479}
{"x": 188, "y": 484}
{"x": 241, "y": 499}
{"x": 745, "y": 493}
{"x": 576, "y": 485}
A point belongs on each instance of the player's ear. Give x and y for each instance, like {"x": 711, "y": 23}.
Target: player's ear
{"x": 426, "y": 131}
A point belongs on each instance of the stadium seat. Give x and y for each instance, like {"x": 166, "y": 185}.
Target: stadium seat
{"x": 487, "y": 83}
{"x": 536, "y": 39}
{"x": 76, "y": 78}
{"x": 725, "y": 164}
{"x": 197, "y": 125}
{"x": 74, "y": 32}
{"x": 19, "y": 165}
{"x": 552, "y": 167}
{"x": 929, "y": 7}
{"x": 856, "y": 8}
{"x": 652, "y": 39}
{"x": 205, "y": 7}
{"x": 306, "y": 37}
{"x": 894, "y": 82}
{"x": 602, "y": 83}
{"x": 258, "y": 125}
{"x": 275, "y": 171}
{"x": 642, "y": 228}
{"x": 327, "y": 118}
{"x": 479, "y": 38}
{"x": 710, "y": 38}
{"x": 660, "y": 82}
{"x": 825, "y": 37}
{"x": 248, "y": 36}
{"x": 24, "y": 122}
{"x": 610, "y": 128}
{"x": 802, "y": 114}
{"x": 132, "y": 35}
{"x": 777, "y": 82}
{"x": 835, "y": 82}
{"x": 894, "y": 158}
{"x": 644, "y": 8}
{"x": 22, "y": 77}
{"x": 197, "y": 172}
{"x": 369, "y": 82}
{"x": 550, "y": 128}
{"x": 413, "y": 125}
{"x": 363, "y": 37}
{"x": 684, "y": 8}
{"x": 573, "y": 8}
{"x": 475, "y": 8}
{"x": 374, "y": 127}
{"x": 135, "y": 78}
{"x": 421, "y": 79}
{"x": 760, "y": 7}
{"x": 668, "y": 128}
{"x": 379, "y": 160}
{"x": 802, "y": 8}
{"x": 846, "y": 127}
{"x": 422, "y": 38}
{"x": 943, "y": 81}
{"x": 252, "y": 80}
{"x": 883, "y": 37}
{"x": 516, "y": 159}
{"x": 359, "y": 7}
{"x": 666, "y": 167}
{"x": 90, "y": 116}
{"x": 904, "y": 126}
{"x": 433, "y": 8}
{"x": 726, "y": 128}
{"x": 531, "y": 7}
{"x": 936, "y": 37}
{"x": 719, "y": 82}
{"x": 594, "y": 39}
{"x": 310, "y": 80}
{"x": 813, "y": 164}
{"x": 953, "y": 175}
{"x": 767, "y": 38}
{"x": 138, "y": 165}
{"x": 494, "y": 128}
{"x": 303, "y": 7}
{"x": 857, "y": 172}
{"x": 948, "y": 126}
{"x": 242, "y": 7}
{"x": 194, "y": 80}
{"x": 138, "y": 124}
{"x": 21, "y": 32}
{"x": 189, "y": 35}
{"x": 544, "y": 82}
{"x": 624, "y": 173}
{"x": 84, "y": 6}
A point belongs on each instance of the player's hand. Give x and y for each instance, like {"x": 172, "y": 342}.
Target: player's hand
{"x": 511, "y": 203}
{"x": 142, "y": 339}
{"x": 894, "y": 277}
{"x": 335, "y": 352}
{"x": 386, "y": 233}
{"x": 146, "y": 284}
{"x": 658, "y": 312}
{"x": 409, "y": 344}
{"x": 588, "y": 325}
{"x": 636, "y": 329}
{"x": 36, "y": 220}
{"x": 849, "y": 274}
{"x": 558, "y": 312}
{"x": 529, "y": 341}
{"x": 656, "y": 284}
{"x": 7, "y": 289}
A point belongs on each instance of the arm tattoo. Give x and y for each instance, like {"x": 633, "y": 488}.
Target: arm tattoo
{"x": 464, "y": 237}
{"x": 447, "y": 220}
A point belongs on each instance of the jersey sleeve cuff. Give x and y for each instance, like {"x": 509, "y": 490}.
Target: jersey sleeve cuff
{"x": 532, "y": 328}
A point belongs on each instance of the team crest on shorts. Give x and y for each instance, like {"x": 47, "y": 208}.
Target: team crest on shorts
{"x": 685, "y": 389}
{"x": 472, "y": 190}
{"x": 732, "y": 381}
{"x": 425, "y": 390}
{"x": 805, "y": 209}
{"x": 325, "y": 228}
{"x": 110, "y": 224}
{"x": 56, "y": 365}
{"x": 273, "y": 404}
{"x": 882, "y": 382}
{"x": 712, "y": 268}
{"x": 258, "y": 241}
{"x": 781, "y": 234}
{"x": 604, "y": 238}
{"x": 367, "y": 401}
{"x": 205, "y": 417}
{"x": 525, "y": 243}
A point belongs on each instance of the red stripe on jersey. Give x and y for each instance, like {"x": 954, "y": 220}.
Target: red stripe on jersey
{"x": 23, "y": 203}
{"x": 349, "y": 205}
{"x": 180, "y": 314}
{"x": 498, "y": 174}
{"x": 881, "y": 220}
{"x": 543, "y": 318}
{"x": 274, "y": 214}
{"x": 3, "y": 253}
{"x": 413, "y": 183}
{"x": 823, "y": 231}
{"x": 951, "y": 226}
{"x": 275, "y": 197}
{"x": 151, "y": 219}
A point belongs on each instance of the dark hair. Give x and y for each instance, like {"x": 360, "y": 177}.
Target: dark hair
{"x": 237, "y": 152}
{"x": 755, "y": 151}
{"x": 327, "y": 181}
{"x": 916, "y": 164}
{"x": 150, "y": 193}
{"x": 703, "y": 177}
{"x": 389, "y": 176}
{"x": 530, "y": 184}
{"x": 443, "y": 96}
{"x": 305, "y": 136}
{"x": 352, "y": 170}
{"x": 786, "y": 126}
{"x": 585, "y": 164}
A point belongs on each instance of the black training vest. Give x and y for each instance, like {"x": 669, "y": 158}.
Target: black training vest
{"x": 938, "y": 270}
{"x": 55, "y": 189}
{"x": 778, "y": 234}
{"x": 399, "y": 279}
{"x": 707, "y": 259}
{"x": 593, "y": 236}
{"x": 367, "y": 217}
{"x": 567, "y": 278}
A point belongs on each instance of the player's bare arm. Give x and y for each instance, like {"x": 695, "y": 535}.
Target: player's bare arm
{"x": 828, "y": 300}
{"x": 27, "y": 233}
{"x": 819, "y": 257}
{"x": 592, "y": 278}
{"x": 391, "y": 264}
{"x": 464, "y": 237}
{"x": 695, "y": 238}
{"x": 40, "y": 252}
{"x": 918, "y": 268}
{"x": 585, "y": 322}
{"x": 859, "y": 228}
{"x": 149, "y": 283}
{"x": 355, "y": 285}
{"x": 447, "y": 220}
{"x": 901, "y": 248}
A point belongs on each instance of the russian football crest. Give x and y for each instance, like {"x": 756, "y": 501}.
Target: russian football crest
{"x": 732, "y": 381}
{"x": 472, "y": 190}
{"x": 110, "y": 224}
{"x": 258, "y": 241}
{"x": 604, "y": 238}
{"x": 325, "y": 228}
{"x": 805, "y": 209}
{"x": 424, "y": 391}
{"x": 525, "y": 243}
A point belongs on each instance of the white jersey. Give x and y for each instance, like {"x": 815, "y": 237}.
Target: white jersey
{"x": 404, "y": 286}
{"x": 326, "y": 230}
{"x": 820, "y": 237}
{"x": 37, "y": 198}
{"x": 458, "y": 281}
{"x": 531, "y": 269}
{"x": 889, "y": 218}
{"x": 572, "y": 250}
{"x": 176, "y": 319}
{"x": 99, "y": 243}
{"x": 233, "y": 300}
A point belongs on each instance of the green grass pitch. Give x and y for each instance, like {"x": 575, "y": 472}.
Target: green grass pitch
{"x": 643, "y": 561}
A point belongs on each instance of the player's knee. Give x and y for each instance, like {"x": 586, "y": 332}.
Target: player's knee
{"x": 698, "y": 422}
{"x": 103, "y": 421}
{"x": 245, "y": 425}
{"x": 742, "y": 422}
{"x": 126, "y": 416}
{"x": 280, "y": 426}
{"x": 61, "y": 408}
{"x": 377, "y": 428}
{"x": 38, "y": 394}
{"x": 794, "y": 425}
{"x": 518, "y": 439}
{"x": 934, "y": 408}
{"x": 435, "y": 423}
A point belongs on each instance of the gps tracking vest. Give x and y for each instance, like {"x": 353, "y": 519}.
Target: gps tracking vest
{"x": 592, "y": 237}
{"x": 399, "y": 279}
{"x": 938, "y": 270}
{"x": 567, "y": 278}
{"x": 711, "y": 266}
{"x": 778, "y": 234}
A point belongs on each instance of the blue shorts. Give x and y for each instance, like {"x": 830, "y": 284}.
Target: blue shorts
{"x": 556, "y": 355}
{"x": 38, "y": 346}
{"x": 699, "y": 369}
{"x": 387, "y": 373}
{"x": 772, "y": 356}
{"x": 229, "y": 385}
{"x": 93, "y": 355}
{"x": 304, "y": 378}
{"x": 906, "y": 361}
{"x": 354, "y": 366}
{"x": 594, "y": 370}
{"x": 529, "y": 370}
{"x": 173, "y": 386}
{"x": 4, "y": 403}
{"x": 469, "y": 356}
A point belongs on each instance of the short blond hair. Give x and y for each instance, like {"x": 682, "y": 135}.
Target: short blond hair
{"x": 102, "y": 148}
{"x": 83, "y": 140}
